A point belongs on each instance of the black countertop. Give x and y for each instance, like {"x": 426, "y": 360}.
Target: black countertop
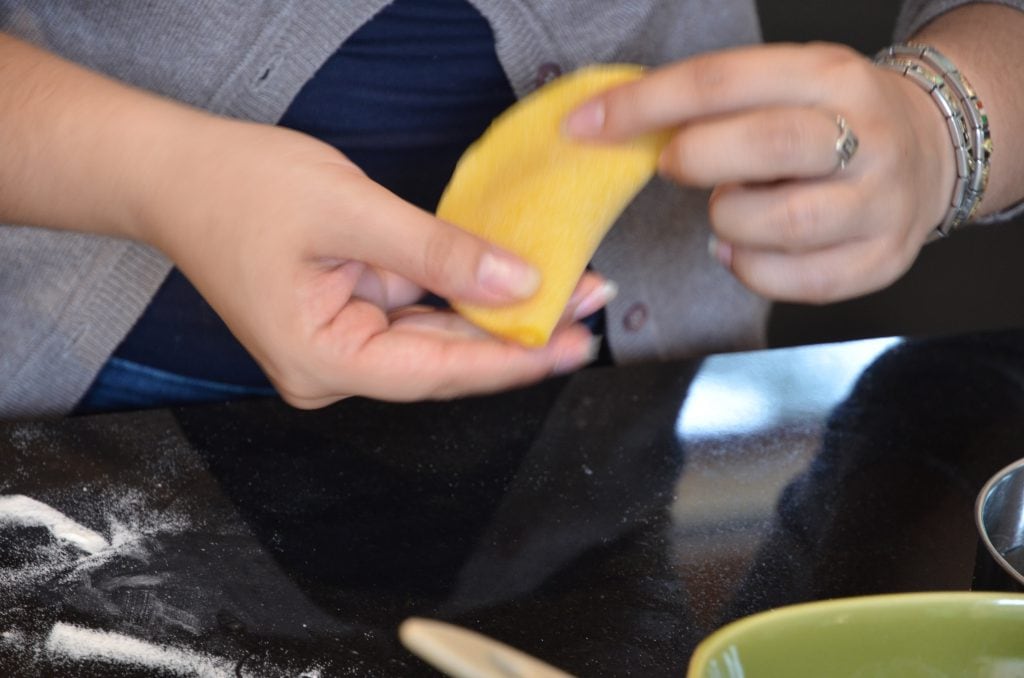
{"x": 604, "y": 522}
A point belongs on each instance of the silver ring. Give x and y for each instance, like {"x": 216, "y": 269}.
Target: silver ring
{"x": 846, "y": 143}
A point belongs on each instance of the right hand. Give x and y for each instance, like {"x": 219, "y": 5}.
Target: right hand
{"x": 757, "y": 124}
{"x": 315, "y": 268}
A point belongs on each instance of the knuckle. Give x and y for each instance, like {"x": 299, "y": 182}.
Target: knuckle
{"x": 819, "y": 286}
{"x": 830, "y": 54}
{"x": 441, "y": 247}
{"x": 798, "y": 220}
{"x": 709, "y": 78}
{"x": 724, "y": 214}
{"x": 680, "y": 160}
{"x": 446, "y": 382}
{"x": 718, "y": 212}
{"x": 843, "y": 69}
{"x": 446, "y": 388}
{"x": 351, "y": 209}
{"x": 783, "y": 140}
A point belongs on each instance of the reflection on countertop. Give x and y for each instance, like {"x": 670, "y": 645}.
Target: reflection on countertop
{"x": 604, "y": 522}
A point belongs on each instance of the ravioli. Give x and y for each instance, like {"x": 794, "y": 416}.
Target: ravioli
{"x": 527, "y": 187}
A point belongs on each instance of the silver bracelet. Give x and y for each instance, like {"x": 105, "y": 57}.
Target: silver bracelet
{"x": 973, "y": 109}
{"x": 965, "y": 118}
{"x": 936, "y": 87}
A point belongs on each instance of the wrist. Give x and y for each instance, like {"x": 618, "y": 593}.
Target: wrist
{"x": 169, "y": 152}
{"x": 936, "y": 173}
{"x": 964, "y": 117}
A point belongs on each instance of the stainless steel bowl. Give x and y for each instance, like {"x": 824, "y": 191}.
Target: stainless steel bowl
{"x": 999, "y": 513}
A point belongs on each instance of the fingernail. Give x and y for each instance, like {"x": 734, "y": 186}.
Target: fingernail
{"x": 587, "y": 120}
{"x": 570, "y": 363}
{"x": 504, "y": 275}
{"x": 596, "y": 300}
{"x": 721, "y": 251}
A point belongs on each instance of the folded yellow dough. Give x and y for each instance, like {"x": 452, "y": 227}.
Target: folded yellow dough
{"x": 524, "y": 185}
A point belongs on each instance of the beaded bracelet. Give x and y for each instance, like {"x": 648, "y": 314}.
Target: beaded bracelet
{"x": 965, "y": 118}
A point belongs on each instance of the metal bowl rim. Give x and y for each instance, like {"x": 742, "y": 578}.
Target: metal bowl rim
{"x": 979, "y": 514}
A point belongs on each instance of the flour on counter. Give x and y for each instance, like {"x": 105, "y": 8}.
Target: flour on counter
{"x": 72, "y": 549}
{"x": 67, "y": 641}
{"x": 124, "y": 595}
{"x": 17, "y": 509}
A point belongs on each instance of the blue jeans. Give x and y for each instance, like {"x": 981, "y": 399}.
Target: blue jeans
{"x": 126, "y": 385}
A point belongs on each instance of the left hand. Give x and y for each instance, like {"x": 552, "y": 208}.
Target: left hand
{"x": 758, "y": 125}
{"x": 316, "y": 269}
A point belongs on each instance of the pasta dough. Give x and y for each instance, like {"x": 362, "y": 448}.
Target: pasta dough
{"x": 526, "y": 186}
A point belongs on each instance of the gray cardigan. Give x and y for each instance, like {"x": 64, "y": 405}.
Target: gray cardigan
{"x": 67, "y": 300}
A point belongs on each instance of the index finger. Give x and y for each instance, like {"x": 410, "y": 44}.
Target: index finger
{"x": 710, "y": 84}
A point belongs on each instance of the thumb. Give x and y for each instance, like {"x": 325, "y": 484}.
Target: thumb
{"x": 435, "y": 254}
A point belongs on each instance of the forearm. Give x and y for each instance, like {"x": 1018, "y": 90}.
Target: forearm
{"x": 80, "y": 151}
{"x": 985, "y": 42}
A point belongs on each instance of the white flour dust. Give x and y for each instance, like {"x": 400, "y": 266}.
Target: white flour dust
{"x": 43, "y": 549}
{"x": 73, "y": 549}
{"x": 62, "y": 552}
{"x": 18, "y": 509}
{"x": 68, "y": 641}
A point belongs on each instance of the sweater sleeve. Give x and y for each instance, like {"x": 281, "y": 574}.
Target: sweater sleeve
{"x": 914, "y": 14}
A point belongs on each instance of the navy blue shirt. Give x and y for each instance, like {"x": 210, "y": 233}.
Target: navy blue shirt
{"x": 402, "y": 97}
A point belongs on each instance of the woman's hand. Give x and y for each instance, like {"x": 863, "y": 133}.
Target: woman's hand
{"x": 315, "y": 268}
{"x": 759, "y": 126}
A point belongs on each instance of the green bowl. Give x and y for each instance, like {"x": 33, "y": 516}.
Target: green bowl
{"x": 912, "y": 635}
